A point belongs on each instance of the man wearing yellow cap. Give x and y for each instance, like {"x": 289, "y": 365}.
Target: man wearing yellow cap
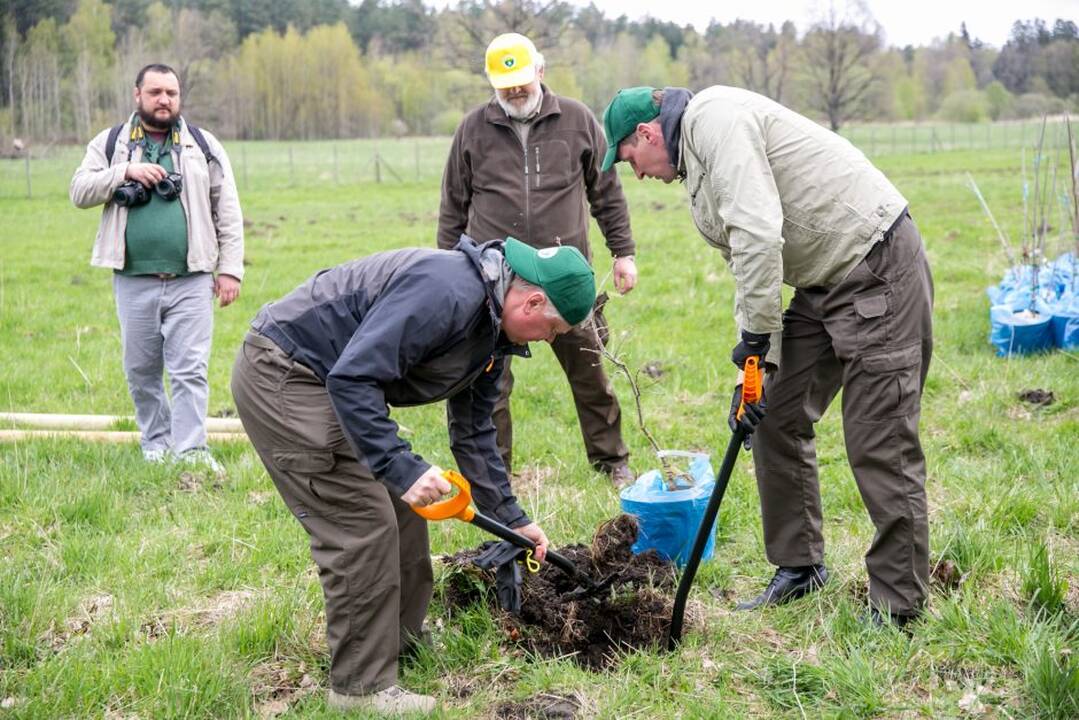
{"x": 527, "y": 165}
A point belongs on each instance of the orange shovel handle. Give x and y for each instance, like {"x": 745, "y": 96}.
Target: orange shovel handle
{"x": 458, "y": 506}
{"x": 751, "y": 383}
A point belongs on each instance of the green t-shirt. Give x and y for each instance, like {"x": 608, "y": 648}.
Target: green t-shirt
{"x": 156, "y": 234}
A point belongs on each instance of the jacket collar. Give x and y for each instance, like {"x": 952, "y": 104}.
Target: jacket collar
{"x": 494, "y": 113}
{"x": 489, "y": 261}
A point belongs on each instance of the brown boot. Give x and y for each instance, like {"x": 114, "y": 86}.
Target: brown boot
{"x": 394, "y": 701}
{"x": 620, "y": 475}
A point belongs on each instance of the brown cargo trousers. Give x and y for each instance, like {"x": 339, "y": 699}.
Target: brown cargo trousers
{"x": 372, "y": 552}
{"x": 580, "y": 355}
{"x": 871, "y": 335}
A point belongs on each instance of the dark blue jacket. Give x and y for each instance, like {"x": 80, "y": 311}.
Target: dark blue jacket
{"x": 408, "y": 327}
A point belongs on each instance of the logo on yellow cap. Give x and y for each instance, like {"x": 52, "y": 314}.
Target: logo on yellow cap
{"x": 511, "y": 61}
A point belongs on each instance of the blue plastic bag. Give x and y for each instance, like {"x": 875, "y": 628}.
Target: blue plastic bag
{"x": 1064, "y": 322}
{"x": 668, "y": 519}
{"x": 1013, "y": 334}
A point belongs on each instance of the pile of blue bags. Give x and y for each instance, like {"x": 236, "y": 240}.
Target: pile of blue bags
{"x": 1028, "y": 316}
{"x": 668, "y": 519}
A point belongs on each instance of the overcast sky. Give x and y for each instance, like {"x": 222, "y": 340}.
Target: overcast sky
{"x": 913, "y": 22}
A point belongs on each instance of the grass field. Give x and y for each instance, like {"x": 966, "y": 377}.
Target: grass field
{"x": 127, "y": 591}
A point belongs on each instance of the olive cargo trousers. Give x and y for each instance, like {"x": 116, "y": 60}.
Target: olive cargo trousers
{"x": 371, "y": 549}
{"x": 870, "y": 334}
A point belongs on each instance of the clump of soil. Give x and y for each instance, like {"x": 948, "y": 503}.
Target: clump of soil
{"x": 633, "y": 612}
{"x": 546, "y": 706}
{"x": 1037, "y": 397}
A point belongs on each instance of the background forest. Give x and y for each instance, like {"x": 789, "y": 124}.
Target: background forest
{"x": 303, "y": 69}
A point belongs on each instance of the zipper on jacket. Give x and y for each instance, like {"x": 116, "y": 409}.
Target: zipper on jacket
{"x": 528, "y": 211}
{"x": 537, "y": 167}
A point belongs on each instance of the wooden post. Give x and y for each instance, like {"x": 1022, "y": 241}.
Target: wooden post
{"x": 378, "y": 167}
{"x": 336, "y": 179}
{"x": 29, "y": 187}
{"x": 291, "y": 168}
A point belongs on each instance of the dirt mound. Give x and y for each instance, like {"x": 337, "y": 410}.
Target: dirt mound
{"x": 634, "y": 612}
{"x": 541, "y": 707}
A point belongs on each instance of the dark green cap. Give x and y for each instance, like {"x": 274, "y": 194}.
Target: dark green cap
{"x": 562, "y": 272}
{"x": 629, "y": 107}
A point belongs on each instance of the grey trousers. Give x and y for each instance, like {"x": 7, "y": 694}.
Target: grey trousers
{"x": 871, "y": 335}
{"x": 372, "y": 551}
{"x": 167, "y": 325}
{"x": 598, "y": 412}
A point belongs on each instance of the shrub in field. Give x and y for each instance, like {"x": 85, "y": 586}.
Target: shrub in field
{"x": 968, "y": 106}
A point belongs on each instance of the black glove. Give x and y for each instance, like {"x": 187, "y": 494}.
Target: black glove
{"x": 752, "y": 344}
{"x": 502, "y": 557}
{"x": 751, "y": 418}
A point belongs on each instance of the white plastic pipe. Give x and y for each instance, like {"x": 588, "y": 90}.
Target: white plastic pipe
{"x": 113, "y": 436}
{"x": 61, "y": 421}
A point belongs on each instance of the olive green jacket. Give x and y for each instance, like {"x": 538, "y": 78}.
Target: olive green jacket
{"x": 784, "y": 199}
{"x": 215, "y": 225}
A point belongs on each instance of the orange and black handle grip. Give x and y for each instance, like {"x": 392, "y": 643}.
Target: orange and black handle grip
{"x": 752, "y": 383}
{"x": 459, "y": 506}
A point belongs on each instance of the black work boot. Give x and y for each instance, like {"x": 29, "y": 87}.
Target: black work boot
{"x": 789, "y": 583}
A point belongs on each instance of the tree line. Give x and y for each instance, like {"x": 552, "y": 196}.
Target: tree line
{"x": 298, "y": 69}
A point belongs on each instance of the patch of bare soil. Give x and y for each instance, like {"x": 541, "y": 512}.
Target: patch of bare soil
{"x": 633, "y": 613}
{"x": 91, "y": 611}
{"x": 544, "y": 706}
{"x": 194, "y": 481}
{"x": 211, "y": 611}
{"x": 276, "y": 686}
{"x": 1037, "y": 397}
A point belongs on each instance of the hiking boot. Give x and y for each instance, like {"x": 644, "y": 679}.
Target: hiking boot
{"x": 200, "y": 458}
{"x": 789, "y": 583}
{"x": 620, "y": 475}
{"x": 157, "y": 456}
{"x": 879, "y": 620}
{"x": 391, "y": 702}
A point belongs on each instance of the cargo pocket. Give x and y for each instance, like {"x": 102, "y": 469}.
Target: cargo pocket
{"x": 302, "y": 468}
{"x": 890, "y": 387}
{"x": 872, "y": 320}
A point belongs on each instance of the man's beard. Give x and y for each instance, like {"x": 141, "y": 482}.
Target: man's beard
{"x": 521, "y": 112}
{"x": 149, "y": 120}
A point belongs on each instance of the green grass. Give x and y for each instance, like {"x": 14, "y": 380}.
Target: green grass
{"x": 125, "y": 592}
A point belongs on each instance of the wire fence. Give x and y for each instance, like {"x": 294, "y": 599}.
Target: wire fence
{"x": 44, "y": 171}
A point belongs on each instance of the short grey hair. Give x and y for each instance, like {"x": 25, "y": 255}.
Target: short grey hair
{"x": 519, "y": 283}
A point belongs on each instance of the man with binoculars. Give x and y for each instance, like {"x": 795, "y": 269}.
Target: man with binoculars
{"x": 172, "y": 232}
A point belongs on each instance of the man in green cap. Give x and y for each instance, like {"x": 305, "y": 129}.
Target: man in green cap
{"x": 313, "y": 384}
{"x": 787, "y": 201}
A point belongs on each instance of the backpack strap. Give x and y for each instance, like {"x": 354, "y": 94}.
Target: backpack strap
{"x": 203, "y": 145}
{"x": 110, "y": 143}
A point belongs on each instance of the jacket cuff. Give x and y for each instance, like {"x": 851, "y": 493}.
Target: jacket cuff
{"x": 512, "y": 516}
{"x": 404, "y": 470}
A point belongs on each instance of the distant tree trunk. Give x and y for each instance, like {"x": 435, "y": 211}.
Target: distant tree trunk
{"x": 11, "y": 44}
{"x": 837, "y": 48}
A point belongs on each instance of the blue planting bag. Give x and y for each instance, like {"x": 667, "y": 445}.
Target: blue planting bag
{"x": 669, "y": 519}
{"x": 1064, "y": 322}
{"x": 1011, "y": 334}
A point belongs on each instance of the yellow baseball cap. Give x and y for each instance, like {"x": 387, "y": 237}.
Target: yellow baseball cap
{"x": 511, "y": 61}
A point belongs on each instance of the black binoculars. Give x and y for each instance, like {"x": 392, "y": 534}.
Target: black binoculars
{"x": 133, "y": 194}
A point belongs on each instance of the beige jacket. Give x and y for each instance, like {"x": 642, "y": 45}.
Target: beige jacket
{"x": 215, "y": 226}
{"x": 784, "y": 199}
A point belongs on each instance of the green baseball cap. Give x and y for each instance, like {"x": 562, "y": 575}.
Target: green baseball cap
{"x": 629, "y": 107}
{"x": 562, "y": 272}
